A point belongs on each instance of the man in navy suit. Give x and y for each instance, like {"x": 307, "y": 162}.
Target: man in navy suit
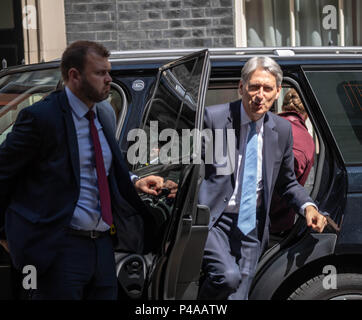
{"x": 58, "y": 213}
{"x": 231, "y": 256}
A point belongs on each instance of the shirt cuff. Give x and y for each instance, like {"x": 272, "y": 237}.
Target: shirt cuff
{"x": 301, "y": 211}
{"x": 134, "y": 177}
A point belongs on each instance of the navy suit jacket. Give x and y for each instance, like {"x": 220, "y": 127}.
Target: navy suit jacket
{"x": 40, "y": 183}
{"x": 278, "y": 164}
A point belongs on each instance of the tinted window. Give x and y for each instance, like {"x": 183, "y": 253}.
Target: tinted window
{"x": 21, "y": 90}
{"x": 171, "y": 112}
{"x": 118, "y": 100}
{"x": 218, "y": 94}
{"x": 340, "y": 96}
{"x": 164, "y": 144}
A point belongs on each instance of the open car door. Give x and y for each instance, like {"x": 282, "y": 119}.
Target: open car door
{"x": 170, "y": 122}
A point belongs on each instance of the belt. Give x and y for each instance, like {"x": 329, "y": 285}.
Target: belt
{"x": 92, "y": 234}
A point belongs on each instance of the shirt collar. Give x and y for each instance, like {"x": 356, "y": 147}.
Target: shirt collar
{"x": 79, "y": 108}
{"x": 245, "y": 120}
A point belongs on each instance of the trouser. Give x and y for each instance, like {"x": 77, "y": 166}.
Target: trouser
{"x": 83, "y": 269}
{"x": 230, "y": 260}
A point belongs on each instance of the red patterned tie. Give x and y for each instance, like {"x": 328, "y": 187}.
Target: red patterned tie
{"x": 101, "y": 172}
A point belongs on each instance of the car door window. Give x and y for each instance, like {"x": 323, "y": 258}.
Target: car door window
{"x": 118, "y": 100}
{"x": 164, "y": 144}
{"x": 339, "y": 96}
{"x": 170, "y": 115}
{"x": 169, "y": 124}
{"x": 20, "y": 90}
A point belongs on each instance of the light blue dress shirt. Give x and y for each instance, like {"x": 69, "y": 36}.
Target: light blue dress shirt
{"x": 87, "y": 213}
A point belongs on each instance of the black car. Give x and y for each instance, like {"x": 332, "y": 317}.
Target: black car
{"x": 162, "y": 90}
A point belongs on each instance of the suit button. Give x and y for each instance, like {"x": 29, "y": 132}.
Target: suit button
{"x": 225, "y": 199}
{"x": 213, "y": 219}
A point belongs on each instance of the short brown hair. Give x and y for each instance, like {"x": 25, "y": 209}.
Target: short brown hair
{"x": 292, "y": 102}
{"x": 75, "y": 54}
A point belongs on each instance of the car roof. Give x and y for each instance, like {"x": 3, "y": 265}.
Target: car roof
{"x": 151, "y": 59}
{"x": 242, "y": 53}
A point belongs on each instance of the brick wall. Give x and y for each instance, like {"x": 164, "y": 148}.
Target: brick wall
{"x": 151, "y": 24}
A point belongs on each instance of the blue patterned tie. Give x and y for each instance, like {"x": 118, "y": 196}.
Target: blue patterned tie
{"x": 247, "y": 210}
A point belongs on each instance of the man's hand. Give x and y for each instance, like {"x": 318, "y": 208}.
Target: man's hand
{"x": 150, "y": 184}
{"x": 172, "y": 186}
{"x": 314, "y": 219}
{"x": 4, "y": 244}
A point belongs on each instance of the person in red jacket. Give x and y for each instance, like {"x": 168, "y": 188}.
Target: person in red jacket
{"x": 282, "y": 217}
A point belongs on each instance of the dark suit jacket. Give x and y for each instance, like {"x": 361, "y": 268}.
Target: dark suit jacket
{"x": 39, "y": 183}
{"x": 282, "y": 217}
{"x": 278, "y": 164}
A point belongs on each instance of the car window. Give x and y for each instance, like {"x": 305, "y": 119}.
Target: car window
{"x": 340, "y": 98}
{"x": 164, "y": 145}
{"x": 20, "y": 90}
{"x": 171, "y": 114}
{"x": 118, "y": 100}
{"x": 219, "y": 93}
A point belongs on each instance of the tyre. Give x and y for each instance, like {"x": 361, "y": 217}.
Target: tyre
{"x": 345, "y": 286}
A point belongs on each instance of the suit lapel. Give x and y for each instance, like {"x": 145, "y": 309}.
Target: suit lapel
{"x": 71, "y": 136}
{"x": 234, "y": 122}
{"x": 270, "y": 147}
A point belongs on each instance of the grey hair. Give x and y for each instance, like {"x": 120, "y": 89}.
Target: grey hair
{"x": 265, "y": 63}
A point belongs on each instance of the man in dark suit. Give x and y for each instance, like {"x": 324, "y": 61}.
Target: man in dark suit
{"x": 61, "y": 178}
{"x": 239, "y": 200}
